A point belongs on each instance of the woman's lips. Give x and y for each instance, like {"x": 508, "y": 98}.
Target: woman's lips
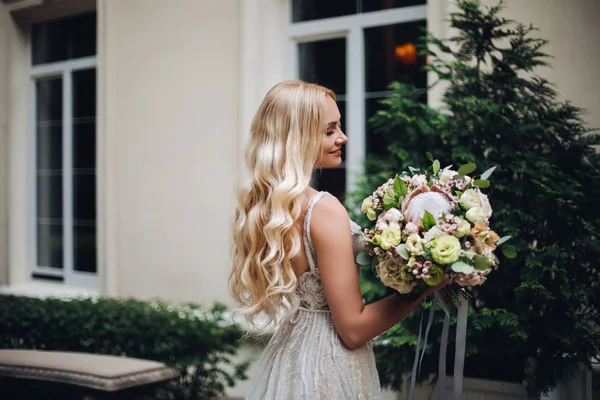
{"x": 337, "y": 153}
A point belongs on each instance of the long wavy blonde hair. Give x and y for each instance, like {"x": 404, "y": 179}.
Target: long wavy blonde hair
{"x": 283, "y": 149}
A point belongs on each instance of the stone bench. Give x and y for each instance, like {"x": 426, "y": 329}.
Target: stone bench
{"x": 81, "y": 375}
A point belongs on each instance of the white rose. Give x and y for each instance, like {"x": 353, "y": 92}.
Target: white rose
{"x": 476, "y": 214}
{"x": 418, "y": 180}
{"x": 485, "y": 204}
{"x": 414, "y": 244}
{"x": 393, "y": 215}
{"x": 447, "y": 174}
{"x": 381, "y": 225}
{"x": 470, "y": 199}
{"x": 367, "y": 204}
{"x": 411, "y": 228}
{"x": 432, "y": 233}
{"x": 463, "y": 228}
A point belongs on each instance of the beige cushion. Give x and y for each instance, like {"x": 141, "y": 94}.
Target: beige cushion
{"x": 108, "y": 373}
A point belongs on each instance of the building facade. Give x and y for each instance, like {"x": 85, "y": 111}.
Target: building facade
{"x": 122, "y": 122}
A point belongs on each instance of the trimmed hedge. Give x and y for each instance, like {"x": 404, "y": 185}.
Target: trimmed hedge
{"x": 199, "y": 344}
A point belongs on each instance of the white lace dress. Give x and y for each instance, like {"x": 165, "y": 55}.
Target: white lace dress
{"x": 306, "y": 359}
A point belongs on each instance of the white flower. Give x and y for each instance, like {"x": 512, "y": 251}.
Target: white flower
{"x": 411, "y": 228}
{"x": 463, "y": 228}
{"x": 470, "y": 199}
{"x": 394, "y": 225}
{"x": 414, "y": 244}
{"x": 485, "y": 203}
{"x": 447, "y": 175}
{"x": 476, "y": 214}
{"x": 381, "y": 224}
{"x": 367, "y": 204}
{"x": 393, "y": 215}
{"x": 418, "y": 180}
{"x": 432, "y": 233}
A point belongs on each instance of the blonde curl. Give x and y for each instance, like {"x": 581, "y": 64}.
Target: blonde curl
{"x": 283, "y": 149}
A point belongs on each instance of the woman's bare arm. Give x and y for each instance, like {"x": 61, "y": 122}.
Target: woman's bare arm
{"x": 355, "y": 323}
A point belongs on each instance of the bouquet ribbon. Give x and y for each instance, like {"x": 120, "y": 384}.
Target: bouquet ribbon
{"x": 460, "y": 348}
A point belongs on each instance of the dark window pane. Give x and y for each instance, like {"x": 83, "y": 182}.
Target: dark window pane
{"x": 49, "y": 147}
{"x": 84, "y": 93}
{"x": 50, "y": 245}
{"x": 84, "y": 197}
{"x": 306, "y": 10}
{"x": 83, "y": 36}
{"x": 63, "y": 39}
{"x": 342, "y": 107}
{"x": 391, "y": 55}
{"x": 332, "y": 180}
{"x": 84, "y": 248}
{"x": 324, "y": 62}
{"x": 49, "y": 196}
{"x": 49, "y": 41}
{"x": 84, "y": 145}
{"x": 48, "y": 96}
{"x": 376, "y": 5}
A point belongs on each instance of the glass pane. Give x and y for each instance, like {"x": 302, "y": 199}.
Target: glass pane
{"x": 342, "y": 107}
{"x": 84, "y": 170}
{"x": 83, "y": 35}
{"x": 49, "y": 244}
{"x": 84, "y": 248}
{"x": 49, "y": 41}
{"x": 63, "y": 39}
{"x": 84, "y": 93}
{"x": 49, "y": 95}
{"x": 324, "y": 62}
{"x": 307, "y": 10}
{"x": 49, "y": 196}
{"x": 49, "y": 147}
{"x": 376, "y": 5}
{"x": 332, "y": 180}
{"x": 391, "y": 55}
{"x": 84, "y": 145}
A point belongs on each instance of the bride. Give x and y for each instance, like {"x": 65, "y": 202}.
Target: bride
{"x": 294, "y": 252}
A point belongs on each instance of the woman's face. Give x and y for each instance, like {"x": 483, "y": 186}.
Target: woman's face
{"x": 333, "y": 137}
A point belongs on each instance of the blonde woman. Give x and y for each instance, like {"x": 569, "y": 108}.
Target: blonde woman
{"x": 294, "y": 253}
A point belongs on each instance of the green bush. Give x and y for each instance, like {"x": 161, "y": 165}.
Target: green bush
{"x": 199, "y": 344}
{"x": 536, "y": 318}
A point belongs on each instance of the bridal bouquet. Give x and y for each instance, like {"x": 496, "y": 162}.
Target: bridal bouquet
{"x": 429, "y": 224}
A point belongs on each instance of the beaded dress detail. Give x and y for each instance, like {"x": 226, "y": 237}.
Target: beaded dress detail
{"x": 306, "y": 359}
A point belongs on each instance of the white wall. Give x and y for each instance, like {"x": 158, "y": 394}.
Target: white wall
{"x": 168, "y": 150}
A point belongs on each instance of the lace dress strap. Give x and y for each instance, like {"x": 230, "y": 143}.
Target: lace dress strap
{"x": 309, "y": 247}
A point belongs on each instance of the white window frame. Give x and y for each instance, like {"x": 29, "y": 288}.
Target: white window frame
{"x": 351, "y": 27}
{"x": 63, "y": 69}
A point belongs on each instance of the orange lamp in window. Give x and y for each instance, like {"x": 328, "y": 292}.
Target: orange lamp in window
{"x": 407, "y": 53}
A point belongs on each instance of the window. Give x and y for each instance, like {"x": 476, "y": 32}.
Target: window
{"x": 356, "y": 48}
{"x": 63, "y": 81}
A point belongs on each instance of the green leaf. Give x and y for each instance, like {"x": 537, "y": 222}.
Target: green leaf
{"x": 466, "y": 169}
{"x": 363, "y": 258}
{"x": 401, "y": 249}
{"x": 389, "y": 200}
{"x": 400, "y": 189}
{"x": 458, "y": 193}
{"x": 413, "y": 170}
{"x": 428, "y": 220}
{"x": 482, "y": 183}
{"x": 430, "y": 183}
{"x": 436, "y": 166}
{"x": 429, "y": 156}
{"x": 487, "y": 173}
{"x": 461, "y": 267}
{"x": 481, "y": 263}
{"x": 509, "y": 251}
{"x": 502, "y": 240}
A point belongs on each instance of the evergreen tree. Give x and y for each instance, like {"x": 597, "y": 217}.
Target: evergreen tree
{"x": 536, "y": 319}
